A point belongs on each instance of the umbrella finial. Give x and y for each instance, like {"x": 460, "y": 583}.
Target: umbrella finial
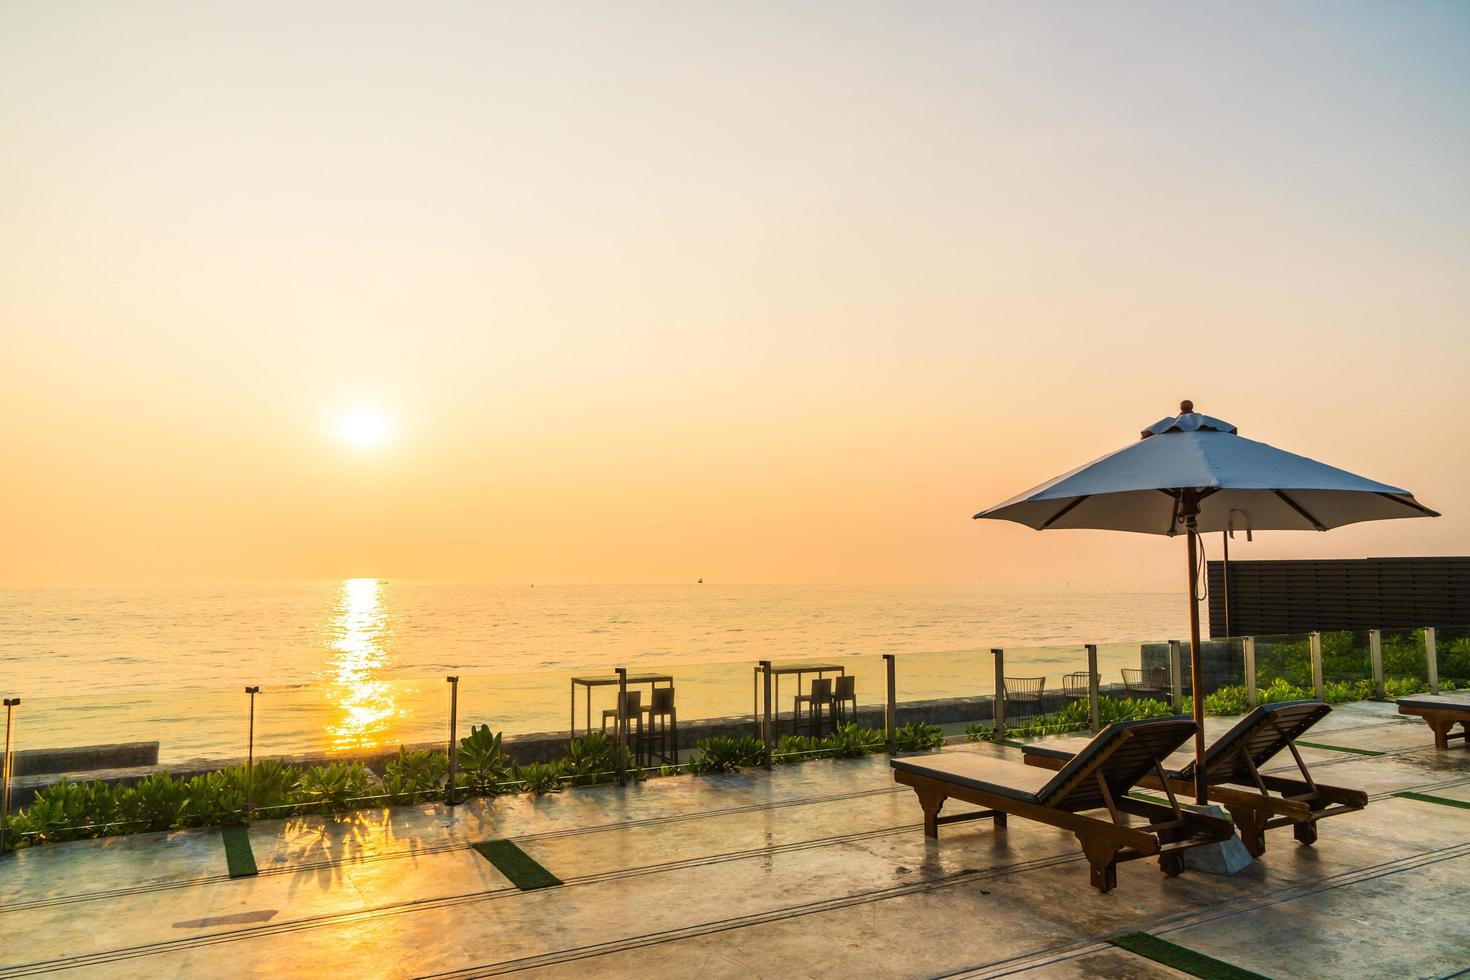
{"x": 1186, "y": 406}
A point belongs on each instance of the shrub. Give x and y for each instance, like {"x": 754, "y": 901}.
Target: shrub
{"x": 483, "y": 766}
{"x": 1281, "y": 690}
{"x": 917, "y": 736}
{"x": 799, "y": 748}
{"x": 593, "y": 759}
{"x": 215, "y": 799}
{"x": 156, "y": 803}
{"x": 1231, "y": 700}
{"x": 1398, "y": 687}
{"x": 850, "y": 741}
{"x": 413, "y": 777}
{"x": 537, "y": 777}
{"x": 334, "y": 788}
{"x": 724, "y": 754}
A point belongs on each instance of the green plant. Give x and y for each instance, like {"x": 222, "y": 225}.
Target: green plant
{"x": 334, "y": 788}
{"x": 1231, "y": 700}
{"x": 1397, "y": 687}
{"x": 917, "y": 736}
{"x": 1337, "y": 692}
{"x": 724, "y": 754}
{"x": 592, "y": 759}
{"x": 155, "y": 803}
{"x": 851, "y": 740}
{"x": 1282, "y": 690}
{"x": 798, "y": 748}
{"x": 976, "y": 732}
{"x": 413, "y": 777}
{"x": 214, "y": 799}
{"x": 483, "y": 765}
{"x": 537, "y": 777}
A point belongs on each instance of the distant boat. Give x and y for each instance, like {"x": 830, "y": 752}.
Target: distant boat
{"x": 700, "y": 582}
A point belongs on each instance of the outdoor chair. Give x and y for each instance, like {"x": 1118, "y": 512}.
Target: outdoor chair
{"x": 846, "y": 694}
{"x": 663, "y": 725}
{"x": 1097, "y": 778}
{"x": 631, "y": 707}
{"x": 1023, "y": 693}
{"x": 1075, "y": 685}
{"x": 817, "y": 701}
{"x": 1149, "y": 682}
{"x": 1442, "y": 714}
{"x": 1256, "y": 802}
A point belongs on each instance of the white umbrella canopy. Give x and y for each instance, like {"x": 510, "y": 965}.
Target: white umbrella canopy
{"x": 1142, "y": 486}
{"x": 1191, "y": 473}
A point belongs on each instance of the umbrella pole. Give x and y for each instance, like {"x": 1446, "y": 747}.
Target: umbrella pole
{"x": 1196, "y": 671}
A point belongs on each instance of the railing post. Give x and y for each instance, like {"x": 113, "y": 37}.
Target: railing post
{"x": 1248, "y": 654}
{"x": 765, "y": 669}
{"x": 250, "y": 752}
{"x": 453, "y": 680}
{"x": 1092, "y": 692}
{"x": 1176, "y": 683}
{"x": 622, "y": 725}
{"x": 1375, "y": 662}
{"x": 1315, "y": 642}
{"x": 890, "y": 707}
{"x": 999, "y": 709}
{"x": 5, "y": 763}
{"x": 1431, "y": 659}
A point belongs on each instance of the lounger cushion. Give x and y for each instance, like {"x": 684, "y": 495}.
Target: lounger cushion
{"x": 999, "y": 776}
{"x": 1436, "y": 702}
{"x": 1260, "y": 735}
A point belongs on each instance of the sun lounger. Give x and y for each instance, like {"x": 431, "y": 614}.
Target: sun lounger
{"x": 1442, "y": 714}
{"x": 1097, "y": 778}
{"x": 1233, "y": 777}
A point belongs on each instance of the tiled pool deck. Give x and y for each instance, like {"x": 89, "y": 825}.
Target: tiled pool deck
{"x": 811, "y": 870}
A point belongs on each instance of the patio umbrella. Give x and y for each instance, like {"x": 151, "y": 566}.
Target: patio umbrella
{"x": 1192, "y": 474}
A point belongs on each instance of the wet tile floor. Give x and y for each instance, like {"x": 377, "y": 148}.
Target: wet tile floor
{"x": 808, "y": 870}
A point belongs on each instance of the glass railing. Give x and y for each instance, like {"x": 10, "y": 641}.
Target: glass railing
{"x": 355, "y": 718}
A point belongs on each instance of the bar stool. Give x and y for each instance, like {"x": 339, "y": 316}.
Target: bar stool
{"x": 1024, "y": 690}
{"x": 663, "y": 724}
{"x": 846, "y": 693}
{"x": 819, "y": 699}
{"x": 630, "y": 706}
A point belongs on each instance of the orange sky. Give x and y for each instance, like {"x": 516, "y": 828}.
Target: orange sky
{"x": 756, "y": 293}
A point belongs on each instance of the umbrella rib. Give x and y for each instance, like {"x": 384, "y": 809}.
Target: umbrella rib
{"x": 1300, "y": 510}
{"x": 1410, "y": 503}
{"x": 1063, "y": 512}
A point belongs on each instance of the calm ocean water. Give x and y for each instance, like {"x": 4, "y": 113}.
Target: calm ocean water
{"x": 362, "y": 662}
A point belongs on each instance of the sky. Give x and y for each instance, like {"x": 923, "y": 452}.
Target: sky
{"x": 753, "y": 292}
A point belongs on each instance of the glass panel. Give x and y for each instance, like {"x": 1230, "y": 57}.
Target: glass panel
{"x": 1283, "y": 667}
{"x": 1452, "y": 655}
{"x": 1347, "y": 670}
{"x": 1405, "y": 665}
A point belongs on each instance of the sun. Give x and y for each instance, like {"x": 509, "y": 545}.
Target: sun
{"x": 364, "y": 427}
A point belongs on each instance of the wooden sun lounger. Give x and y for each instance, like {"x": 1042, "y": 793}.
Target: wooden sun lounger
{"x": 1097, "y": 778}
{"x": 1233, "y": 777}
{"x": 1441, "y": 714}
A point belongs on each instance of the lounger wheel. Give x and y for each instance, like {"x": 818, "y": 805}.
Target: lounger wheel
{"x": 1305, "y": 833}
{"x": 1171, "y": 864}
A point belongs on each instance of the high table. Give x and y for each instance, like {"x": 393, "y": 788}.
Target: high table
{"x": 776, "y": 671}
{"x": 604, "y": 680}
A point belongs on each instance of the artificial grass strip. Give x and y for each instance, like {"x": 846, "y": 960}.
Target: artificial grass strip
{"x": 1180, "y": 958}
{"x": 238, "y": 855}
{"x": 1425, "y": 798}
{"x": 1336, "y": 748}
{"x": 516, "y": 864}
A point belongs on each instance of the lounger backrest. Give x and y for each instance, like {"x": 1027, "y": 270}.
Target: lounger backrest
{"x": 1259, "y": 736}
{"x": 1123, "y": 752}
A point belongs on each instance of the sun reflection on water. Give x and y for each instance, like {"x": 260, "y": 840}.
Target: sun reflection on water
{"x": 362, "y": 701}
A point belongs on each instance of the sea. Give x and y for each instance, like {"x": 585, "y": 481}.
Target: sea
{"x": 365, "y": 663}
